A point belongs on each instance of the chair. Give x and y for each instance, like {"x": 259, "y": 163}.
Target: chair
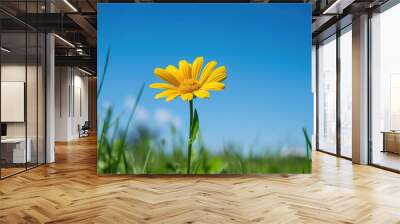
{"x": 84, "y": 130}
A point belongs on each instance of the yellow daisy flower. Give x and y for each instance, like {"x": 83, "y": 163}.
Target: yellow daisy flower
{"x": 187, "y": 82}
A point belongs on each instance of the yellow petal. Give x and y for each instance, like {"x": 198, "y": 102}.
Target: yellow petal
{"x": 184, "y": 68}
{"x": 218, "y": 75}
{"x": 213, "y": 86}
{"x": 171, "y": 97}
{"x": 175, "y": 72}
{"x": 161, "y": 86}
{"x": 196, "y": 67}
{"x": 187, "y": 96}
{"x": 166, "y": 76}
{"x": 202, "y": 93}
{"x": 207, "y": 71}
{"x": 165, "y": 93}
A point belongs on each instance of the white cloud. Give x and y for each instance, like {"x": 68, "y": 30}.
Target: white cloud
{"x": 177, "y": 121}
{"x": 129, "y": 102}
{"x": 141, "y": 113}
{"x": 106, "y": 104}
{"x": 163, "y": 116}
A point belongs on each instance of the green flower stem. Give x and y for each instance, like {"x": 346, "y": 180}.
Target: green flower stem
{"x": 190, "y": 134}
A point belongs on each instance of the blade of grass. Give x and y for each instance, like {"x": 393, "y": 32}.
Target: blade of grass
{"x": 241, "y": 163}
{"x": 146, "y": 161}
{"x": 106, "y": 125}
{"x": 104, "y": 73}
{"x": 113, "y": 138}
{"x": 125, "y": 132}
{"x": 308, "y": 148}
{"x": 308, "y": 143}
{"x": 103, "y": 145}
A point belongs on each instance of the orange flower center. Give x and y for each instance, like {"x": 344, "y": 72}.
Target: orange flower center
{"x": 189, "y": 86}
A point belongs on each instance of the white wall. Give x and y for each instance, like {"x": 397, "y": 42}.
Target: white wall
{"x": 70, "y": 83}
{"x": 62, "y": 82}
{"x": 80, "y": 89}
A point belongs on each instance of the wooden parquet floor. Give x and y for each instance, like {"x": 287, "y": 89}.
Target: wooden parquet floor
{"x": 69, "y": 191}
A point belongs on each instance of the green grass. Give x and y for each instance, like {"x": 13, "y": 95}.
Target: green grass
{"x": 145, "y": 153}
{"x": 141, "y": 151}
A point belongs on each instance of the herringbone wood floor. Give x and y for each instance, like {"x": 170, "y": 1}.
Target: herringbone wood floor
{"x": 69, "y": 191}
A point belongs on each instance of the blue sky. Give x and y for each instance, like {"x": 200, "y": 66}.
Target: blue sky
{"x": 266, "y": 49}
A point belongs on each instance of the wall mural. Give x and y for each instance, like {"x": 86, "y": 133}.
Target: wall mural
{"x": 204, "y": 88}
